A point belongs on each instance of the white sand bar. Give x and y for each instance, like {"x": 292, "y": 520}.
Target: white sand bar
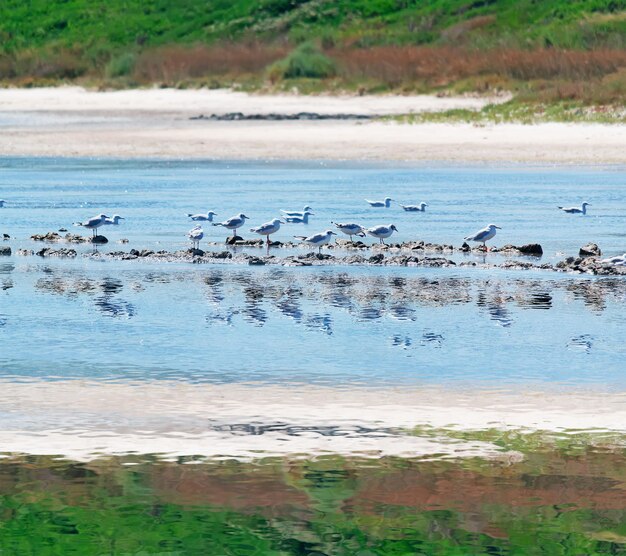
{"x": 84, "y": 419}
{"x": 70, "y": 121}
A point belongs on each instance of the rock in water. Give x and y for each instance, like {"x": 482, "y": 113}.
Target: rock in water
{"x": 231, "y": 240}
{"x": 99, "y": 240}
{"x": 5, "y": 251}
{"x": 590, "y": 250}
{"x": 531, "y": 249}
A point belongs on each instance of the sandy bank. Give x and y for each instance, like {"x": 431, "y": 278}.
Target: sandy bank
{"x": 80, "y": 418}
{"x": 155, "y": 123}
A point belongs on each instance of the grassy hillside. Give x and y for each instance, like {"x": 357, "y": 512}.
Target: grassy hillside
{"x": 543, "y": 50}
{"x": 86, "y": 24}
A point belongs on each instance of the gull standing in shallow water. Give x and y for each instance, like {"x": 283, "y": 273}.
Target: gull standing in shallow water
{"x": 350, "y": 229}
{"x": 233, "y": 223}
{"x": 304, "y": 219}
{"x": 379, "y": 204}
{"x": 317, "y": 240}
{"x": 299, "y": 213}
{"x": 268, "y": 228}
{"x": 208, "y": 217}
{"x": 114, "y": 220}
{"x": 382, "y": 232}
{"x": 415, "y": 208}
{"x": 195, "y": 235}
{"x": 484, "y": 235}
{"x": 93, "y": 223}
{"x": 576, "y": 210}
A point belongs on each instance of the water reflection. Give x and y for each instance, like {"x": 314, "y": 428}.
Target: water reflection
{"x": 550, "y": 503}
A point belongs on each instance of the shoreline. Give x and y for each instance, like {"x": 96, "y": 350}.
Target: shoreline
{"x": 157, "y": 124}
{"x": 73, "y": 418}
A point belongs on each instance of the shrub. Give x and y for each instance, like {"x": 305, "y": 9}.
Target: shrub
{"x": 121, "y": 65}
{"x": 305, "y": 61}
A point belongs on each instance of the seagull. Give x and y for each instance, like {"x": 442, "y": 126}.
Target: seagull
{"x": 576, "y": 210}
{"x": 379, "y": 204}
{"x": 93, "y": 223}
{"x": 195, "y": 235}
{"x": 415, "y": 208}
{"x": 382, "y": 232}
{"x": 268, "y": 228}
{"x": 208, "y": 217}
{"x": 350, "y": 229}
{"x": 304, "y": 219}
{"x": 114, "y": 220}
{"x": 317, "y": 240}
{"x": 233, "y": 223}
{"x": 300, "y": 213}
{"x": 484, "y": 235}
{"x": 619, "y": 260}
{"x": 2, "y": 201}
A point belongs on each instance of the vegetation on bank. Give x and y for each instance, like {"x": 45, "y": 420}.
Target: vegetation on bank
{"x": 543, "y": 52}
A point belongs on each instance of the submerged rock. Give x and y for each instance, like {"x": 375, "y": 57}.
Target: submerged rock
{"x": 63, "y": 252}
{"x": 232, "y": 240}
{"x": 99, "y": 240}
{"x": 5, "y": 251}
{"x": 50, "y": 236}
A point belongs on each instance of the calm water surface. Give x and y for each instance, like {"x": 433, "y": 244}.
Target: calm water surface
{"x": 138, "y": 321}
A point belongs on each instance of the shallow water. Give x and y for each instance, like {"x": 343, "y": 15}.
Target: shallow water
{"x": 47, "y": 194}
{"x": 139, "y": 368}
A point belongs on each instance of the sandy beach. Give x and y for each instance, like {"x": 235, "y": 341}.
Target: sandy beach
{"x": 70, "y": 121}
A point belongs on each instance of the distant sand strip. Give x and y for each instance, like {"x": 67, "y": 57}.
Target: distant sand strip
{"x": 156, "y": 123}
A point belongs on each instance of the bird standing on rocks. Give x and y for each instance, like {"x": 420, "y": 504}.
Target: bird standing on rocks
{"x": 379, "y": 204}
{"x": 317, "y": 240}
{"x": 268, "y": 228}
{"x": 576, "y": 210}
{"x": 484, "y": 235}
{"x": 382, "y": 232}
{"x": 93, "y": 223}
{"x": 350, "y": 229}
{"x": 233, "y": 223}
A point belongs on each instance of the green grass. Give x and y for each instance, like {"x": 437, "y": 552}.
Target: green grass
{"x": 522, "y": 113}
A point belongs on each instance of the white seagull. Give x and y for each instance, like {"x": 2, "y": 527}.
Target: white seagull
{"x": 93, "y": 223}
{"x": 619, "y": 260}
{"x": 317, "y": 240}
{"x": 350, "y": 229}
{"x": 304, "y": 219}
{"x": 268, "y": 228}
{"x": 195, "y": 235}
{"x": 114, "y": 220}
{"x": 208, "y": 217}
{"x": 415, "y": 208}
{"x": 576, "y": 210}
{"x": 379, "y": 204}
{"x": 233, "y": 223}
{"x": 300, "y": 213}
{"x": 382, "y": 232}
{"x": 484, "y": 235}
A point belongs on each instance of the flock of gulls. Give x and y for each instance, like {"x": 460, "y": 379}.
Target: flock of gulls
{"x": 351, "y": 229}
